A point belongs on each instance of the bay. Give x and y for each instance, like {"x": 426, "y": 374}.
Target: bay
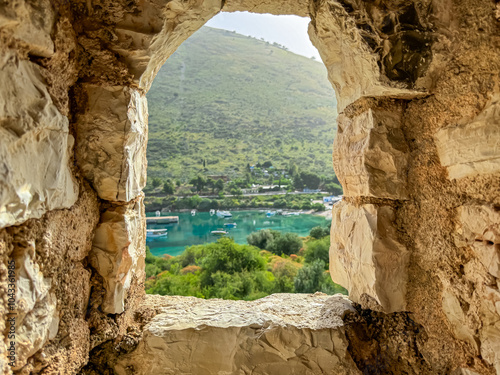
{"x": 195, "y": 230}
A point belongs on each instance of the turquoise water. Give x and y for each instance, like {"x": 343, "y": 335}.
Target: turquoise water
{"x": 195, "y": 230}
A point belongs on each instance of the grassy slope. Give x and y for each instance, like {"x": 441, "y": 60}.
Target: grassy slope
{"x": 231, "y": 99}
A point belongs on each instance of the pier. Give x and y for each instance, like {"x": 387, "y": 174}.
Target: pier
{"x": 162, "y": 219}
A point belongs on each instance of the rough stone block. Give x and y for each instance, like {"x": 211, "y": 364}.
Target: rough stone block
{"x": 352, "y": 68}
{"x": 29, "y": 22}
{"x": 365, "y": 255}
{"x": 35, "y": 146}
{"x": 480, "y": 226}
{"x": 111, "y": 141}
{"x": 118, "y": 252}
{"x": 472, "y": 148}
{"x": 457, "y": 319}
{"x": 37, "y": 318}
{"x": 370, "y": 154}
{"x": 490, "y": 345}
{"x": 282, "y": 334}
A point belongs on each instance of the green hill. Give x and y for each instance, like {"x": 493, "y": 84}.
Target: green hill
{"x": 223, "y": 100}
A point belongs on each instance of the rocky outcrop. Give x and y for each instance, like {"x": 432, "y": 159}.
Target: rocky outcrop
{"x": 370, "y": 153}
{"x": 279, "y": 334}
{"x": 112, "y": 138}
{"x": 30, "y": 26}
{"x": 352, "y": 66}
{"x": 118, "y": 252}
{"x": 366, "y": 256}
{"x": 36, "y": 318}
{"x": 477, "y": 141}
{"x": 36, "y": 146}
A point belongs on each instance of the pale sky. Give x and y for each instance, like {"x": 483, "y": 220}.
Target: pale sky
{"x": 290, "y": 31}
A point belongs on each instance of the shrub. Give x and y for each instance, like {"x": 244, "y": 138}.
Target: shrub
{"x": 263, "y": 238}
{"x": 318, "y": 249}
{"x": 318, "y": 206}
{"x": 288, "y": 243}
{"x": 319, "y": 232}
{"x": 190, "y": 269}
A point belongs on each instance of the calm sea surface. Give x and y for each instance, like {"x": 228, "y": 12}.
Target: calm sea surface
{"x": 195, "y": 230}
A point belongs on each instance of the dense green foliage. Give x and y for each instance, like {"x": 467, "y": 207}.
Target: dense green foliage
{"x": 227, "y": 270}
{"x": 319, "y": 232}
{"x": 276, "y": 242}
{"x": 288, "y": 201}
{"x": 224, "y": 100}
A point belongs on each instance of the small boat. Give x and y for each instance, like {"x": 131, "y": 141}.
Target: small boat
{"x": 219, "y": 232}
{"x": 193, "y": 212}
{"x": 230, "y": 225}
{"x": 224, "y": 214}
{"x": 152, "y": 234}
{"x": 212, "y": 212}
{"x": 270, "y": 213}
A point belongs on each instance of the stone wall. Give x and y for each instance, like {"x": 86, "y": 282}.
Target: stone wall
{"x": 416, "y": 240}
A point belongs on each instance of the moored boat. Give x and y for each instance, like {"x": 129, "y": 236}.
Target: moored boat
{"x": 224, "y": 214}
{"x": 152, "y": 234}
{"x": 219, "y": 232}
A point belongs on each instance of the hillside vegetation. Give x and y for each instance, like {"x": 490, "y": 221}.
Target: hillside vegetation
{"x": 224, "y": 100}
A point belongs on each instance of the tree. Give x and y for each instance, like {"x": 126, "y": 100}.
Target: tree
{"x": 288, "y": 243}
{"x": 199, "y": 183}
{"x": 219, "y": 185}
{"x": 168, "y": 188}
{"x": 156, "y": 182}
{"x": 263, "y": 238}
{"x": 310, "y": 180}
{"x": 318, "y": 206}
{"x": 267, "y": 164}
{"x": 236, "y": 191}
{"x": 310, "y": 277}
{"x": 319, "y": 232}
{"x": 334, "y": 188}
{"x": 318, "y": 249}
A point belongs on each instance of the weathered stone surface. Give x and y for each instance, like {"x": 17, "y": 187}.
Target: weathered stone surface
{"x": 480, "y": 226}
{"x": 146, "y": 48}
{"x": 278, "y": 7}
{"x": 352, "y": 67}
{"x": 472, "y": 148}
{"x": 457, "y": 319}
{"x": 118, "y": 252}
{"x": 29, "y": 22}
{"x": 35, "y": 146}
{"x": 36, "y": 316}
{"x": 365, "y": 255}
{"x": 490, "y": 345}
{"x": 111, "y": 141}
{"x": 480, "y": 229}
{"x": 370, "y": 154}
{"x": 280, "y": 334}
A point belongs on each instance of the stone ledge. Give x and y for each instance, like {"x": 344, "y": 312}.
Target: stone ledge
{"x": 278, "y": 334}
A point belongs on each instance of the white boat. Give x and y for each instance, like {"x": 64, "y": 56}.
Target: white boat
{"x": 219, "y": 232}
{"x": 270, "y": 213}
{"x": 152, "y": 234}
{"x": 212, "y": 212}
{"x": 193, "y": 212}
{"x": 224, "y": 214}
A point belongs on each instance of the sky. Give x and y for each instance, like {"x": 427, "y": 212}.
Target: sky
{"x": 290, "y": 31}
